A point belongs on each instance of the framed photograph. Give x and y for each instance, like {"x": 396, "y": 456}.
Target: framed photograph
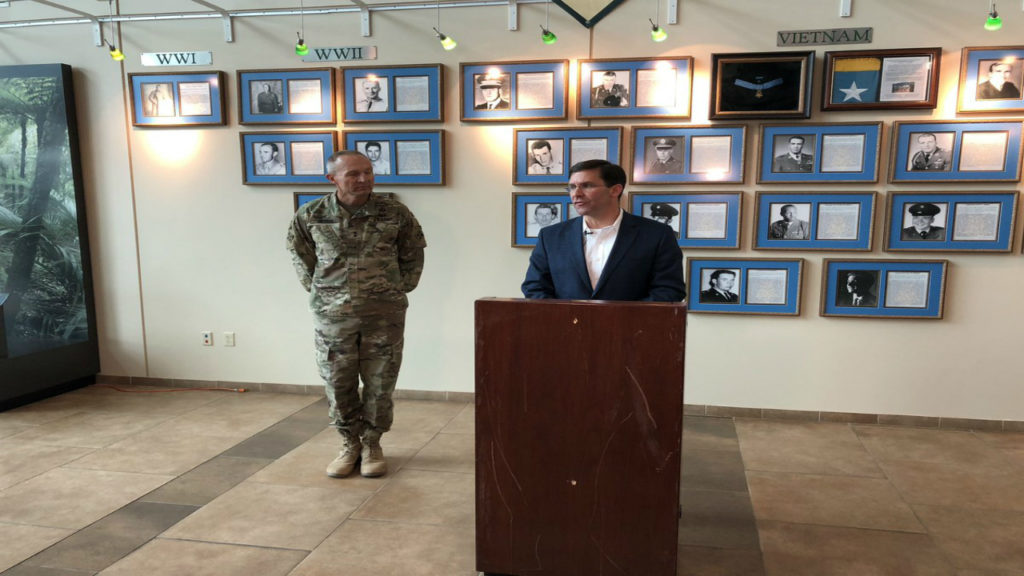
{"x": 699, "y": 220}
{"x": 500, "y": 91}
{"x": 881, "y": 79}
{"x": 761, "y": 85}
{"x": 991, "y": 79}
{"x": 951, "y": 222}
{"x": 635, "y": 88}
{"x": 531, "y": 212}
{"x": 300, "y": 199}
{"x": 956, "y": 151}
{"x": 676, "y": 155}
{"x": 883, "y": 288}
{"x": 819, "y": 153}
{"x": 177, "y": 100}
{"x": 744, "y": 286}
{"x": 814, "y": 221}
{"x": 286, "y": 157}
{"x": 393, "y": 93}
{"x": 545, "y": 156}
{"x": 303, "y": 96}
{"x": 411, "y": 157}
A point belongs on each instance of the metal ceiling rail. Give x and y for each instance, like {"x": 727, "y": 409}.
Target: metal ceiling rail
{"x": 359, "y": 7}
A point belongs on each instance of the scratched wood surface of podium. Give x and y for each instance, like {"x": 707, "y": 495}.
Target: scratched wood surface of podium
{"x": 578, "y": 437}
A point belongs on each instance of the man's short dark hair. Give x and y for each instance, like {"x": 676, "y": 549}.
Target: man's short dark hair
{"x": 552, "y": 207}
{"x": 611, "y": 174}
{"x": 865, "y": 280}
{"x": 926, "y": 135}
{"x": 797, "y": 137}
{"x": 538, "y": 144}
{"x": 609, "y": 73}
{"x": 992, "y": 66}
{"x": 783, "y": 209}
{"x": 717, "y": 273}
{"x": 272, "y": 146}
{"x": 373, "y": 144}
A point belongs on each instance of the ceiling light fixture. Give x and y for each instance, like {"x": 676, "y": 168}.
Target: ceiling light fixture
{"x": 546, "y": 35}
{"x": 994, "y": 22}
{"x": 447, "y": 42}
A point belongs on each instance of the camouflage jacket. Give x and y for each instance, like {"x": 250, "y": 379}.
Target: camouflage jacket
{"x": 363, "y": 262}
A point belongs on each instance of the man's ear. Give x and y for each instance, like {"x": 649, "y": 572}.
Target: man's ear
{"x": 330, "y": 178}
{"x": 617, "y": 190}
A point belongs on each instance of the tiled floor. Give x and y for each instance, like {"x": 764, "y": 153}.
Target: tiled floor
{"x": 169, "y": 483}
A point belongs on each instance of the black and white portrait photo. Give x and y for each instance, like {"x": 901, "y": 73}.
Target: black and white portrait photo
{"x": 930, "y": 151}
{"x": 789, "y": 221}
{"x": 371, "y": 94}
{"x": 491, "y": 92}
{"x": 793, "y": 152}
{"x": 541, "y": 215}
{"x": 999, "y": 79}
{"x": 379, "y": 153}
{"x": 719, "y": 286}
{"x": 265, "y": 97}
{"x": 609, "y": 88}
{"x": 544, "y": 156}
{"x": 857, "y": 288}
{"x": 924, "y": 221}
{"x": 664, "y": 212}
{"x": 268, "y": 158}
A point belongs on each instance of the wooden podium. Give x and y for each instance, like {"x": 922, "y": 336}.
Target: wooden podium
{"x": 579, "y": 410}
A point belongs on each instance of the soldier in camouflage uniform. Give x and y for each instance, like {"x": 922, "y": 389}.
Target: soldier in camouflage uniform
{"x": 358, "y": 254}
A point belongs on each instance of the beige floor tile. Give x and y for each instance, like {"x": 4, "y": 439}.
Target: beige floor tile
{"x": 937, "y": 446}
{"x": 1009, "y": 440}
{"x": 23, "y": 460}
{"x": 962, "y": 484}
{"x": 424, "y": 416}
{"x": 156, "y": 453}
{"x": 362, "y": 548}
{"x": 830, "y": 501}
{"x": 90, "y": 429}
{"x": 801, "y": 550}
{"x": 979, "y": 539}
{"x": 42, "y": 412}
{"x": 175, "y": 558}
{"x": 464, "y": 423}
{"x": 10, "y": 428}
{"x": 21, "y": 542}
{"x": 447, "y": 453}
{"x": 270, "y": 515}
{"x": 707, "y": 433}
{"x": 239, "y": 414}
{"x": 70, "y": 498}
{"x": 704, "y": 561}
{"x": 146, "y": 399}
{"x": 424, "y": 497}
{"x": 804, "y": 447}
{"x": 305, "y": 466}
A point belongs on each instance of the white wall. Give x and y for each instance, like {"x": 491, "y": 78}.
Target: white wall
{"x": 179, "y": 245}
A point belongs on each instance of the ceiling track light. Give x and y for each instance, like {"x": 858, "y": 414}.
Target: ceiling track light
{"x": 115, "y": 54}
{"x": 994, "y": 22}
{"x": 447, "y": 42}
{"x": 658, "y": 33}
{"x": 546, "y": 35}
{"x": 300, "y": 47}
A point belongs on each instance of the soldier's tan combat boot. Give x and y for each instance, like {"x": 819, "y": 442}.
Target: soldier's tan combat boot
{"x": 373, "y": 464}
{"x": 345, "y": 463}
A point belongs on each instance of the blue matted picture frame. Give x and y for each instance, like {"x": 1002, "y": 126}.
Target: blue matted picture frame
{"x": 700, "y": 220}
{"x": 403, "y": 157}
{"x": 817, "y": 221}
{"x": 304, "y": 96}
{"x": 544, "y": 156}
{"x": 532, "y": 211}
{"x": 961, "y": 151}
{"x": 981, "y": 69}
{"x": 883, "y": 288}
{"x": 286, "y": 157}
{"x": 819, "y": 153}
{"x": 881, "y": 79}
{"x": 300, "y": 199}
{"x": 951, "y": 222}
{"x": 406, "y": 93}
{"x": 744, "y": 286}
{"x": 177, "y": 100}
{"x": 635, "y": 88}
{"x": 696, "y": 154}
{"x": 536, "y": 90}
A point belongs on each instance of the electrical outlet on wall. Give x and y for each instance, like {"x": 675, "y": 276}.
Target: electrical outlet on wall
{"x": 229, "y": 338}
{"x": 207, "y": 338}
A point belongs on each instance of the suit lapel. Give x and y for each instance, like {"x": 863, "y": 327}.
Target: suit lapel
{"x": 576, "y": 257}
{"x": 623, "y": 240}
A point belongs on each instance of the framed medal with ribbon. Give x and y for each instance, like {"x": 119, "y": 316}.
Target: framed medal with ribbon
{"x": 761, "y": 85}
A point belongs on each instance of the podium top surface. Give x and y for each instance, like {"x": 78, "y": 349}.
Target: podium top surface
{"x": 603, "y": 303}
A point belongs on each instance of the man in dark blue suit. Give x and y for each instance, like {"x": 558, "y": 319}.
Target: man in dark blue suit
{"x": 606, "y": 253}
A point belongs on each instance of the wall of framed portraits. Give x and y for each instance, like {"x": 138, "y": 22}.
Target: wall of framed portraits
{"x": 188, "y": 222}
